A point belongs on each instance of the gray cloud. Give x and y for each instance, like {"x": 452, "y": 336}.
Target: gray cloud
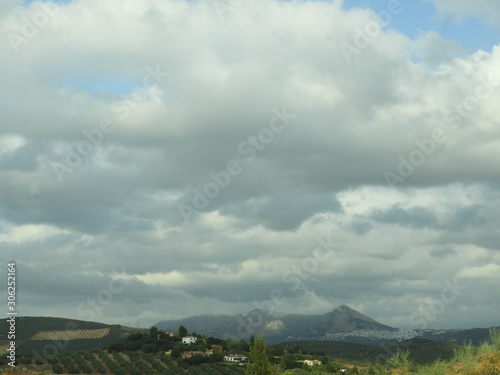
{"x": 212, "y": 97}
{"x": 417, "y": 217}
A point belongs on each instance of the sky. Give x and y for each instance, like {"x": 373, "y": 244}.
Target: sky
{"x": 167, "y": 158}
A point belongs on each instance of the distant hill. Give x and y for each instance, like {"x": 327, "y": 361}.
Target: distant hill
{"x": 259, "y": 322}
{"x": 51, "y": 335}
{"x": 421, "y": 351}
{"x": 473, "y": 336}
{"x": 256, "y": 322}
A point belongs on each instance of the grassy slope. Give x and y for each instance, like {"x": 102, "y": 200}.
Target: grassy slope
{"x": 27, "y": 327}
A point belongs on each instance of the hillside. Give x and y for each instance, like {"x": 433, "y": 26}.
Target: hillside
{"x": 232, "y": 327}
{"x": 410, "y": 357}
{"x": 421, "y": 351}
{"x": 103, "y": 362}
{"x": 60, "y": 334}
{"x": 473, "y": 336}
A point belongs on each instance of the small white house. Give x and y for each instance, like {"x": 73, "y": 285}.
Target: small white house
{"x": 235, "y": 358}
{"x": 189, "y": 340}
{"x": 311, "y": 362}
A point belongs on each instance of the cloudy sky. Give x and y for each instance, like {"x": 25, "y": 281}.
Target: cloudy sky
{"x": 168, "y": 158}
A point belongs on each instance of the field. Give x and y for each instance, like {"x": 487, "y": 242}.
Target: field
{"x": 129, "y": 363}
{"x": 75, "y": 334}
{"x": 419, "y": 357}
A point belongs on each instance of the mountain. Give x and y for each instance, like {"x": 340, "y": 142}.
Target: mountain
{"x": 342, "y": 324}
{"x": 341, "y": 319}
{"x": 297, "y": 327}
{"x": 255, "y": 323}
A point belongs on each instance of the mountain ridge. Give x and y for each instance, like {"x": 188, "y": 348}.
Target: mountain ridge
{"x": 342, "y": 324}
{"x": 261, "y": 322}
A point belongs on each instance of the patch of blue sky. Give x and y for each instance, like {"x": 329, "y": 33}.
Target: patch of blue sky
{"x": 417, "y": 17}
{"x": 100, "y": 84}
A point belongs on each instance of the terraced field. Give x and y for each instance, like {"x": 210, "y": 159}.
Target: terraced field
{"x": 130, "y": 363}
{"x": 76, "y": 334}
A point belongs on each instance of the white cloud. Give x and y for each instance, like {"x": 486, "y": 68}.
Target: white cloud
{"x": 10, "y": 143}
{"x": 29, "y": 233}
{"x": 487, "y": 271}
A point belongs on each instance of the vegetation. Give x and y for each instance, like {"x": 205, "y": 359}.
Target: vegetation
{"x": 182, "y": 331}
{"x": 466, "y": 360}
{"x": 260, "y": 363}
{"x": 50, "y": 336}
{"x": 420, "y": 351}
{"x": 73, "y": 334}
{"x": 132, "y": 363}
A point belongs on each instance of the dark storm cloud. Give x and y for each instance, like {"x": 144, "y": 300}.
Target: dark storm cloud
{"x": 417, "y": 217}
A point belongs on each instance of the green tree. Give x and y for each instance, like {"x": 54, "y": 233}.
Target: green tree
{"x": 201, "y": 348}
{"x": 117, "y": 347}
{"x": 176, "y": 353}
{"x": 261, "y": 364}
{"x": 153, "y": 332}
{"x": 183, "y": 331}
{"x": 217, "y": 356}
{"x": 278, "y": 350}
{"x": 331, "y": 368}
{"x": 282, "y": 365}
{"x": 243, "y": 346}
{"x": 288, "y": 361}
{"x": 149, "y": 348}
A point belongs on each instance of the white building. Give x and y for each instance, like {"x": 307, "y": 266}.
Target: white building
{"x": 235, "y": 358}
{"x": 311, "y": 362}
{"x": 189, "y": 340}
